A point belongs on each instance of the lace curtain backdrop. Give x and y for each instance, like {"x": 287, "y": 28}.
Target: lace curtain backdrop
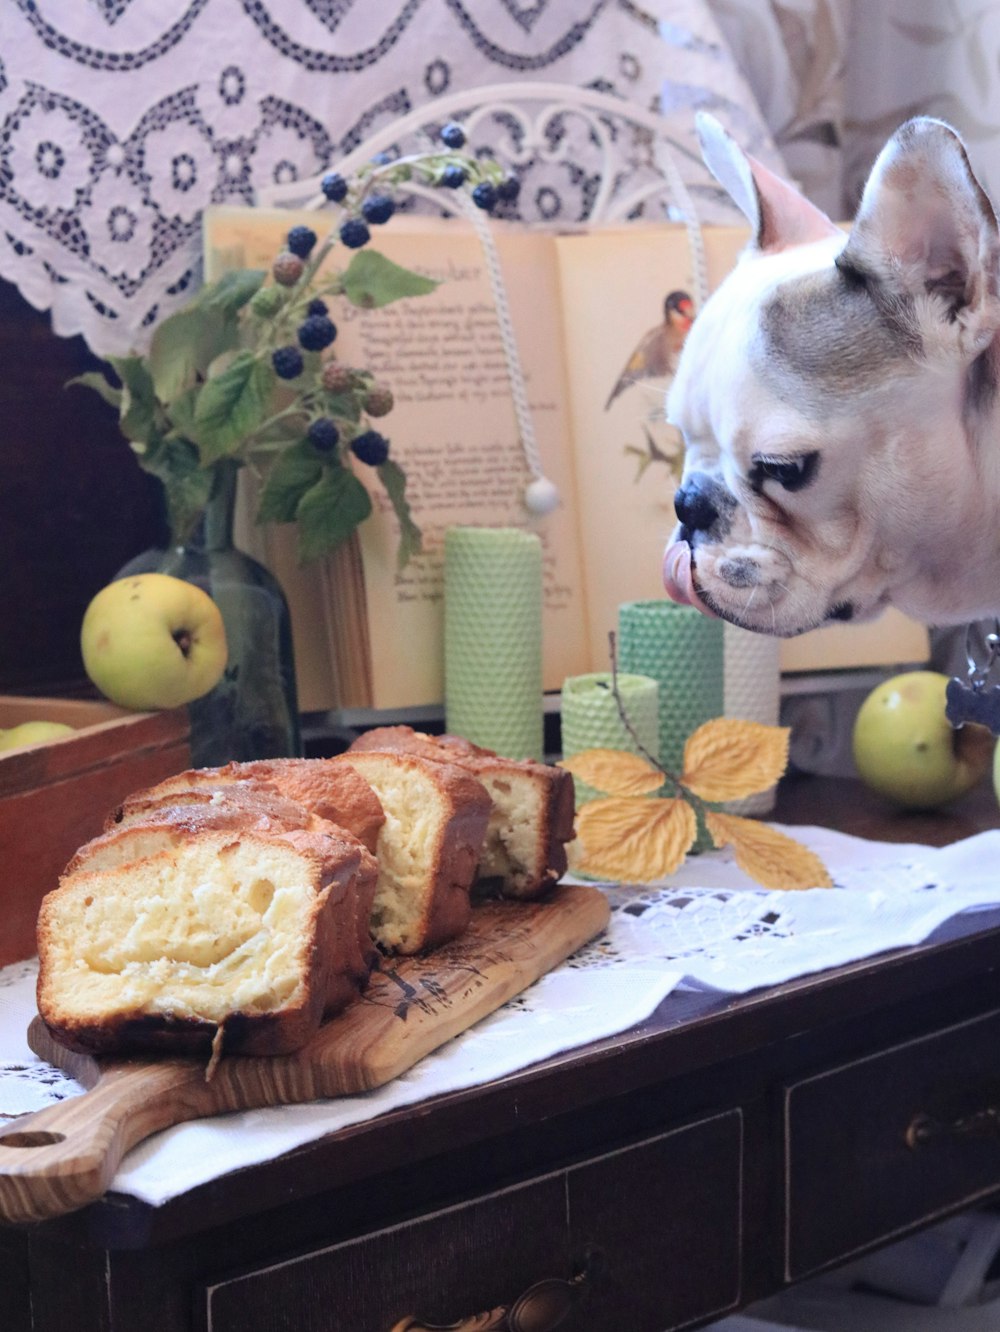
{"x": 834, "y": 78}
{"x": 121, "y": 121}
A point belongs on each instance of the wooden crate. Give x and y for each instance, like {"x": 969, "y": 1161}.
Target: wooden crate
{"x": 56, "y": 795}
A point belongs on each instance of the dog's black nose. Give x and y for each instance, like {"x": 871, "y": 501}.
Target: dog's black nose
{"x": 695, "y": 504}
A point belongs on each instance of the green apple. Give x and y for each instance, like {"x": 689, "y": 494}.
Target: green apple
{"x": 33, "y": 733}
{"x": 906, "y": 749}
{"x": 153, "y": 641}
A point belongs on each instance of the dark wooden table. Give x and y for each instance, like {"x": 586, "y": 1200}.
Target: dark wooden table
{"x": 696, "y": 1163}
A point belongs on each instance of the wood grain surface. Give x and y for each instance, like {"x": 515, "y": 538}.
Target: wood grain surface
{"x": 65, "y": 1156}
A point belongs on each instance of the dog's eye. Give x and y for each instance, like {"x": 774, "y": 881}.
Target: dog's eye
{"x": 791, "y": 473}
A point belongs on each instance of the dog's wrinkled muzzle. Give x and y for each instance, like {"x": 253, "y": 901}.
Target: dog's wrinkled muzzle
{"x": 678, "y": 580}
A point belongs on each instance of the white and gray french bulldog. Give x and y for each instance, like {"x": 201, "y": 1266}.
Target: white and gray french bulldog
{"x": 838, "y": 397}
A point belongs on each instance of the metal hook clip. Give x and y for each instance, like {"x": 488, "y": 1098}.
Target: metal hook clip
{"x": 979, "y": 673}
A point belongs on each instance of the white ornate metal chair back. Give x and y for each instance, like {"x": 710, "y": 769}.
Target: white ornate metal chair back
{"x": 582, "y": 158}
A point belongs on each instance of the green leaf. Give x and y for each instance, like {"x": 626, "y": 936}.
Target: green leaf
{"x": 231, "y": 291}
{"x": 330, "y": 511}
{"x": 93, "y": 379}
{"x": 232, "y": 405}
{"x": 295, "y": 471}
{"x": 138, "y": 401}
{"x": 370, "y": 280}
{"x": 393, "y": 478}
{"x": 185, "y": 344}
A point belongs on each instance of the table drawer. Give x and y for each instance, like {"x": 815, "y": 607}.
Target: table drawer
{"x": 885, "y": 1142}
{"x": 660, "y": 1220}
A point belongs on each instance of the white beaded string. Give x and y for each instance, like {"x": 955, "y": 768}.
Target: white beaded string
{"x": 541, "y": 495}
{"x": 684, "y": 205}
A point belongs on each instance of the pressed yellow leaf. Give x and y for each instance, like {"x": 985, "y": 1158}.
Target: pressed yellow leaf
{"x": 726, "y": 759}
{"x": 614, "y": 771}
{"x": 634, "y": 839}
{"x": 774, "y": 860}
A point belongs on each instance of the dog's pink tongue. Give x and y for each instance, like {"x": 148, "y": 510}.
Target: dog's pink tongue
{"x": 677, "y": 578}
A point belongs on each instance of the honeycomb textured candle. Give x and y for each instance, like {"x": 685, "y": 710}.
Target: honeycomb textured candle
{"x": 591, "y": 718}
{"x": 682, "y": 650}
{"x": 493, "y": 638}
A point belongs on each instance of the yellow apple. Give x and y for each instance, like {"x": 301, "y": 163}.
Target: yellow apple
{"x": 33, "y": 733}
{"x": 153, "y": 641}
{"x": 906, "y": 749}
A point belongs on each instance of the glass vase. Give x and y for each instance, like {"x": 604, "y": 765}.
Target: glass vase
{"x": 252, "y": 713}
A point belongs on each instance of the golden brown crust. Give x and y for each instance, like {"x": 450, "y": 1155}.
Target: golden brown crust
{"x": 326, "y": 789}
{"x": 555, "y": 826}
{"x": 259, "y": 804}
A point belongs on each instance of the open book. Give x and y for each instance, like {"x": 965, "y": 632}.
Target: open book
{"x": 367, "y": 635}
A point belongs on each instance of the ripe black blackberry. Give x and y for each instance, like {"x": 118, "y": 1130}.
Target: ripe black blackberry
{"x": 453, "y": 177}
{"x": 378, "y": 208}
{"x": 484, "y": 195}
{"x": 453, "y": 136}
{"x": 334, "y": 186}
{"x": 300, "y": 240}
{"x": 317, "y": 307}
{"x": 316, "y": 332}
{"x": 287, "y": 362}
{"x": 370, "y": 447}
{"x": 354, "y": 233}
{"x": 508, "y": 189}
{"x": 323, "y": 434}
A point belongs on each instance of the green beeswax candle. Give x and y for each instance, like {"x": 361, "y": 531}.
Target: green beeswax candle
{"x": 591, "y": 718}
{"x": 493, "y": 638}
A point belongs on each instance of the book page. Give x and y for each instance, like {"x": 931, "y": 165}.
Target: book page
{"x": 628, "y": 459}
{"x": 453, "y": 430}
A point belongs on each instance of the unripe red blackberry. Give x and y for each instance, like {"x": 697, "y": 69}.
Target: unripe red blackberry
{"x": 287, "y": 269}
{"x": 337, "y": 378}
{"x": 378, "y": 400}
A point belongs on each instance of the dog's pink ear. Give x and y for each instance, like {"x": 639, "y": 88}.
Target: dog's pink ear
{"x": 926, "y": 227}
{"x": 779, "y": 215}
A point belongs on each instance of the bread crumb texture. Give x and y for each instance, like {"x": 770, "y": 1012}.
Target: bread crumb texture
{"x": 206, "y": 929}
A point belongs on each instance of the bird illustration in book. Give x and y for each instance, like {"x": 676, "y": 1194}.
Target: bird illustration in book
{"x": 656, "y": 355}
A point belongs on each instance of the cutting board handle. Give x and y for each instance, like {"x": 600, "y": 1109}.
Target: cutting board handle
{"x": 66, "y": 1155}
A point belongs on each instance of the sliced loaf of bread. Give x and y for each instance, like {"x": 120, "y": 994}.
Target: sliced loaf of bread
{"x": 531, "y": 818}
{"x": 249, "y": 933}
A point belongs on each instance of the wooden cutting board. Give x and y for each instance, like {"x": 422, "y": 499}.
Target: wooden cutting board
{"x": 66, "y": 1155}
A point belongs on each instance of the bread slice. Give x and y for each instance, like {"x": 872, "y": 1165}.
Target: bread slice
{"x": 428, "y": 847}
{"x": 531, "y": 820}
{"x": 160, "y": 827}
{"x": 243, "y": 931}
{"x": 327, "y": 789}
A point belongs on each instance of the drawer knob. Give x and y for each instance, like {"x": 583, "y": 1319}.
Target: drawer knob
{"x": 925, "y": 1128}
{"x": 542, "y": 1307}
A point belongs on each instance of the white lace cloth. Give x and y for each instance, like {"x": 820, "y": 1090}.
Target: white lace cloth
{"x": 705, "y": 927}
{"x": 120, "y": 121}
